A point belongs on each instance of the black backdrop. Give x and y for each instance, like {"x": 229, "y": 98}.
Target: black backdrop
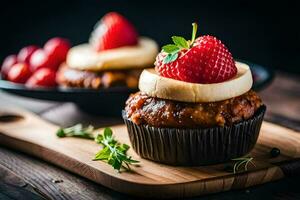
{"x": 266, "y": 33}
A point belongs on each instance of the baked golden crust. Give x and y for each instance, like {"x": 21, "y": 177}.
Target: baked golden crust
{"x": 87, "y": 79}
{"x": 143, "y": 109}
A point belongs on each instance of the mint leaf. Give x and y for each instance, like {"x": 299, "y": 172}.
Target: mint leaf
{"x": 170, "y": 48}
{"x": 180, "y": 42}
{"x": 123, "y": 148}
{"x": 103, "y": 154}
{"x": 99, "y": 139}
{"x": 116, "y": 164}
{"x": 76, "y": 131}
{"x": 60, "y": 133}
{"x": 170, "y": 58}
{"x": 113, "y": 152}
{"x": 107, "y": 133}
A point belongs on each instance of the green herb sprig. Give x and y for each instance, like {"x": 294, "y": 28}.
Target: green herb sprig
{"x": 76, "y": 131}
{"x": 113, "y": 152}
{"x": 242, "y": 161}
{"x": 239, "y": 164}
{"x": 179, "y": 44}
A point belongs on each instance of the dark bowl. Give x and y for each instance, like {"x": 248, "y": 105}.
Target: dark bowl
{"x": 109, "y": 102}
{"x": 106, "y": 102}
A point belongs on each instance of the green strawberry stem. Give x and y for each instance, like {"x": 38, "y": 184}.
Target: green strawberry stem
{"x": 195, "y": 26}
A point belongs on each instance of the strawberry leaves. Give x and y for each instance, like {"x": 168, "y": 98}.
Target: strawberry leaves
{"x": 171, "y": 57}
{"x": 170, "y": 48}
{"x": 180, "y": 43}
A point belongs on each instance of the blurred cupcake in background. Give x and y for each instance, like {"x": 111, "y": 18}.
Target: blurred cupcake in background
{"x": 114, "y": 56}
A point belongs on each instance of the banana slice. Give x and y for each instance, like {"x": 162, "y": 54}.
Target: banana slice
{"x": 83, "y": 57}
{"x": 157, "y": 86}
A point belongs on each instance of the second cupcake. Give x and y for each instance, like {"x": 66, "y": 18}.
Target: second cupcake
{"x": 114, "y": 56}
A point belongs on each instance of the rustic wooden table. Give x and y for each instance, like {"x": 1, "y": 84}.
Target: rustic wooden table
{"x": 25, "y": 177}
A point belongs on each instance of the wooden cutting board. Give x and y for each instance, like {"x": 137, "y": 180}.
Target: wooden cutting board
{"x": 32, "y": 135}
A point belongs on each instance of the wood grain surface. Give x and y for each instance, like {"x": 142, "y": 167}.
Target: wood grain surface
{"x": 282, "y": 98}
{"x": 37, "y": 137}
{"x": 13, "y": 187}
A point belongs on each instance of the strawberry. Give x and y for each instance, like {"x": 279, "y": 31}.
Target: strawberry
{"x": 42, "y": 59}
{"x": 201, "y": 60}
{"x": 26, "y": 52}
{"x": 113, "y": 31}
{"x": 57, "y": 48}
{"x": 8, "y": 62}
{"x": 43, "y": 77}
{"x": 19, "y": 73}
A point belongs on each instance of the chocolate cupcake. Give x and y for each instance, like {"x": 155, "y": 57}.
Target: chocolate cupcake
{"x": 196, "y": 107}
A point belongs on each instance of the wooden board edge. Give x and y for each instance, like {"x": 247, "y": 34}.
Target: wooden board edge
{"x": 179, "y": 190}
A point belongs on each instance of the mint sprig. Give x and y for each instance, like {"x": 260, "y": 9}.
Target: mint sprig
{"x": 76, "y": 131}
{"x": 179, "y": 44}
{"x": 113, "y": 152}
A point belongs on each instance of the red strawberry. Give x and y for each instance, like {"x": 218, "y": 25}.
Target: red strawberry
{"x": 43, "y": 77}
{"x": 113, "y": 31}
{"x": 26, "y": 52}
{"x": 19, "y": 73}
{"x": 204, "y": 60}
{"x": 57, "y": 48}
{"x": 8, "y": 62}
{"x": 41, "y": 59}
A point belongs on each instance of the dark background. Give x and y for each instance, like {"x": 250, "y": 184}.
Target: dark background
{"x": 263, "y": 32}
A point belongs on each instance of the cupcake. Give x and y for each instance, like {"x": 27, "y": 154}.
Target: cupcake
{"x": 114, "y": 56}
{"x": 196, "y": 107}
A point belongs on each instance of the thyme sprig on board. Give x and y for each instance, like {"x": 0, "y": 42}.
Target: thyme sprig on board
{"x": 113, "y": 152}
{"x": 242, "y": 162}
{"x": 76, "y": 131}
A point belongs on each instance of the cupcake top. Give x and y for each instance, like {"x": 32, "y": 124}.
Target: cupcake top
{"x": 198, "y": 70}
{"x": 114, "y": 45}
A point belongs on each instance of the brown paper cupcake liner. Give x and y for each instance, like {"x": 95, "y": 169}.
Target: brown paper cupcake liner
{"x": 192, "y": 147}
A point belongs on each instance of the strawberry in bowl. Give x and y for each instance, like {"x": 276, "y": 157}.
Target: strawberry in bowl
{"x": 32, "y": 65}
